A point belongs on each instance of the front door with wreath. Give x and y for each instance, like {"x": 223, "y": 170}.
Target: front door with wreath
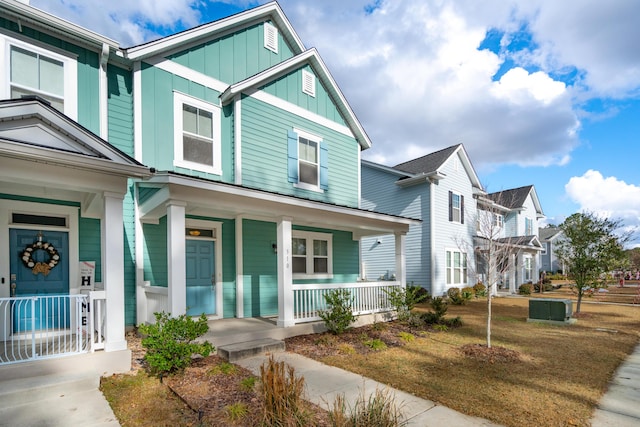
{"x": 39, "y": 267}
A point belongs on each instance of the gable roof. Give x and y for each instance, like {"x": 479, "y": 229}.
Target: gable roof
{"x": 429, "y": 165}
{"x": 267, "y": 12}
{"x": 549, "y": 233}
{"x": 312, "y": 58}
{"x": 31, "y": 128}
{"x": 516, "y": 197}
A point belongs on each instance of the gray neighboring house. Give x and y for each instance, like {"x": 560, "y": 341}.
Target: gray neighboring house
{"x": 549, "y": 237}
{"x": 441, "y": 190}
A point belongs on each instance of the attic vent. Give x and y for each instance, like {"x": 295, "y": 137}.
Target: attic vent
{"x": 308, "y": 83}
{"x": 270, "y": 37}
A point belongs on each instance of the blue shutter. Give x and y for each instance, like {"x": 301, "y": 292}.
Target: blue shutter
{"x": 324, "y": 166}
{"x": 292, "y": 154}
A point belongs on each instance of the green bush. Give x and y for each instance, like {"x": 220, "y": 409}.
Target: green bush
{"x": 439, "y": 307}
{"x": 375, "y": 344}
{"x": 480, "y": 290}
{"x": 455, "y": 322}
{"x": 403, "y": 300}
{"x": 170, "y": 342}
{"x": 457, "y": 297}
{"x": 525, "y": 289}
{"x": 467, "y": 293}
{"x": 546, "y": 287}
{"x": 339, "y": 317}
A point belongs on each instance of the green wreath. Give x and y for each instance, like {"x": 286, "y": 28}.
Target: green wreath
{"x": 40, "y": 267}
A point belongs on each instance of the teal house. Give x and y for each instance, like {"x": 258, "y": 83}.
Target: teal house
{"x": 215, "y": 171}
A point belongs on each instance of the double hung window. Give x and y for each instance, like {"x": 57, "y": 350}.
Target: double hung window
{"x": 456, "y": 207}
{"x": 312, "y": 253}
{"x": 456, "y": 267}
{"x": 308, "y": 161}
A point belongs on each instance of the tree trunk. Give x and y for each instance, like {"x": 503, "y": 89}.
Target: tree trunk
{"x": 579, "y": 301}
{"x": 489, "y": 318}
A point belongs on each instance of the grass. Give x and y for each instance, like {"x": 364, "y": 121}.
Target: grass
{"x": 562, "y": 373}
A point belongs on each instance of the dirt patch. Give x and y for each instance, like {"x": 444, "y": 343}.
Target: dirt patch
{"x": 490, "y": 354}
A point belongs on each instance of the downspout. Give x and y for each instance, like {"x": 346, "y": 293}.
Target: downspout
{"x": 432, "y": 245}
{"x": 237, "y": 138}
{"x": 104, "y": 92}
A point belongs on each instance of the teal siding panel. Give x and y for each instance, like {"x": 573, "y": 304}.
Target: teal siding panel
{"x": 260, "y": 279}
{"x": 265, "y": 154}
{"x": 235, "y": 56}
{"x": 128, "y": 217}
{"x": 155, "y": 253}
{"x": 90, "y": 241}
{"x": 120, "y": 108}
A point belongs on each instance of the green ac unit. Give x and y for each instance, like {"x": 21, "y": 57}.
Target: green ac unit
{"x": 550, "y": 310}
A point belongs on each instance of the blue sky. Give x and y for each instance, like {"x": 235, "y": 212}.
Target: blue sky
{"x": 540, "y": 92}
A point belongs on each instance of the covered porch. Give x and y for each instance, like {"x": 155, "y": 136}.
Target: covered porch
{"x": 257, "y": 230}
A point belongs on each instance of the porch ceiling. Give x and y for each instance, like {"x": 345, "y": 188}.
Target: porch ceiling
{"x": 207, "y": 198}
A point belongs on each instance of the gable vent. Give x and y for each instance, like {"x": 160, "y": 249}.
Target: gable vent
{"x": 308, "y": 83}
{"x": 270, "y": 37}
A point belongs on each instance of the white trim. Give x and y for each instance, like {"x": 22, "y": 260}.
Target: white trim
{"x": 237, "y": 138}
{"x": 310, "y": 236}
{"x": 104, "y": 93}
{"x": 453, "y": 269}
{"x": 179, "y": 99}
{"x": 318, "y": 140}
{"x": 187, "y": 73}
{"x": 69, "y": 64}
{"x": 137, "y": 112}
{"x": 216, "y": 226}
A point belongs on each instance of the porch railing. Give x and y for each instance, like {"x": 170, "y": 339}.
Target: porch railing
{"x": 49, "y": 326}
{"x": 366, "y": 298}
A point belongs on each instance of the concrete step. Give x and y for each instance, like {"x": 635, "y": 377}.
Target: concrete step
{"x": 243, "y": 350}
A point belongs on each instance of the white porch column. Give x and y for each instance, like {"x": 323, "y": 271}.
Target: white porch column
{"x": 401, "y": 259}
{"x": 176, "y": 261}
{"x": 285, "y": 274}
{"x": 112, "y": 232}
{"x": 239, "y": 268}
{"x": 513, "y": 265}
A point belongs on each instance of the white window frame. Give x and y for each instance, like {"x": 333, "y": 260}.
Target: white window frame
{"x": 70, "y": 71}
{"x": 308, "y": 83}
{"x": 498, "y": 220}
{"x": 456, "y": 209}
{"x": 450, "y": 270}
{"x": 271, "y": 37}
{"x": 318, "y": 141}
{"x": 527, "y": 268}
{"x": 528, "y": 226}
{"x": 310, "y": 236}
{"x": 179, "y": 99}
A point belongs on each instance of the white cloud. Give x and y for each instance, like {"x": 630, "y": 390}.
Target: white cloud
{"x": 606, "y": 196}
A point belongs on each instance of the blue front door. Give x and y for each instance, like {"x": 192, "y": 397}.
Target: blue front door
{"x": 201, "y": 292}
{"x": 39, "y": 278}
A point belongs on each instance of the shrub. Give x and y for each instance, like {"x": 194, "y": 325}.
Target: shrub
{"x": 456, "y": 297}
{"x": 170, "y": 342}
{"x": 225, "y": 368}
{"x": 455, "y": 322}
{"x": 414, "y": 321}
{"x": 406, "y": 337}
{"x": 403, "y": 300}
{"x": 546, "y": 286}
{"x": 248, "y": 383}
{"x": 378, "y": 410}
{"x": 375, "y": 344}
{"x": 340, "y": 315}
{"x": 439, "y": 307}
{"x": 282, "y": 395}
{"x": 236, "y": 411}
{"x": 467, "y": 293}
{"x": 525, "y": 289}
{"x": 346, "y": 348}
{"x": 441, "y": 328}
{"x": 480, "y": 290}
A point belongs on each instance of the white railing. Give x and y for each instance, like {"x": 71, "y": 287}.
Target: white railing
{"x": 366, "y": 298}
{"x": 157, "y": 301}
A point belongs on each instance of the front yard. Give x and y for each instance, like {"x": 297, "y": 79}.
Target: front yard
{"x": 552, "y": 375}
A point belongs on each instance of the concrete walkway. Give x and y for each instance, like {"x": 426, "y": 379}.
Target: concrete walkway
{"x": 620, "y": 406}
{"x": 324, "y": 383}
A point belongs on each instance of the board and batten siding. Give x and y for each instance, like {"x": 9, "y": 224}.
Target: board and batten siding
{"x": 234, "y": 57}
{"x": 380, "y": 193}
{"x": 264, "y": 154}
{"x": 448, "y": 234}
{"x": 158, "y": 88}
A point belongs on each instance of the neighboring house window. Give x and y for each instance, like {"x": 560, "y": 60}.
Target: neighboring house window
{"x": 197, "y": 135}
{"x": 544, "y": 248}
{"x": 528, "y": 227}
{"x": 312, "y": 255}
{"x": 308, "y": 83}
{"x": 528, "y": 269}
{"x": 456, "y": 207}
{"x": 498, "y": 220}
{"x": 456, "y": 267}
{"x": 308, "y": 161}
{"x": 270, "y": 37}
{"x": 32, "y": 70}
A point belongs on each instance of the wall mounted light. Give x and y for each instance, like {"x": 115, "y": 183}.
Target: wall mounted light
{"x": 275, "y": 248}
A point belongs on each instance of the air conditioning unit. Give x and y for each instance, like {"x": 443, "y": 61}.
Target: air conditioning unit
{"x": 550, "y": 310}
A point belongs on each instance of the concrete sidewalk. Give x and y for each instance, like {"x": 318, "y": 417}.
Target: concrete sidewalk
{"x": 324, "y": 383}
{"x": 619, "y": 406}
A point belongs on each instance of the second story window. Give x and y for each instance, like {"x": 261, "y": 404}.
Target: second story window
{"x": 528, "y": 227}
{"x": 498, "y": 220}
{"x": 456, "y": 207}
{"x": 197, "y": 134}
{"x": 34, "y": 70}
{"x": 308, "y": 161}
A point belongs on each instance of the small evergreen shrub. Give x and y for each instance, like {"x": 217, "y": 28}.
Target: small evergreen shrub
{"x": 439, "y": 307}
{"x": 249, "y": 383}
{"x": 467, "y": 293}
{"x": 406, "y": 337}
{"x": 480, "y": 290}
{"x": 282, "y": 395}
{"x": 525, "y": 289}
{"x": 170, "y": 342}
{"x": 456, "y": 297}
{"x": 339, "y": 316}
{"x": 375, "y": 344}
{"x": 236, "y": 412}
{"x": 455, "y": 322}
{"x": 441, "y": 327}
{"x": 403, "y": 300}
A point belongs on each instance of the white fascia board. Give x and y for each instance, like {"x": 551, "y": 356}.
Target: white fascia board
{"x": 51, "y": 24}
{"x": 311, "y": 57}
{"x": 187, "y": 73}
{"x": 384, "y": 168}
{"x": 12, "y": 149}
{"x": 419, "y": 178}
{"x": 270, "y": 10}
{"x": 468, "y": 166}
